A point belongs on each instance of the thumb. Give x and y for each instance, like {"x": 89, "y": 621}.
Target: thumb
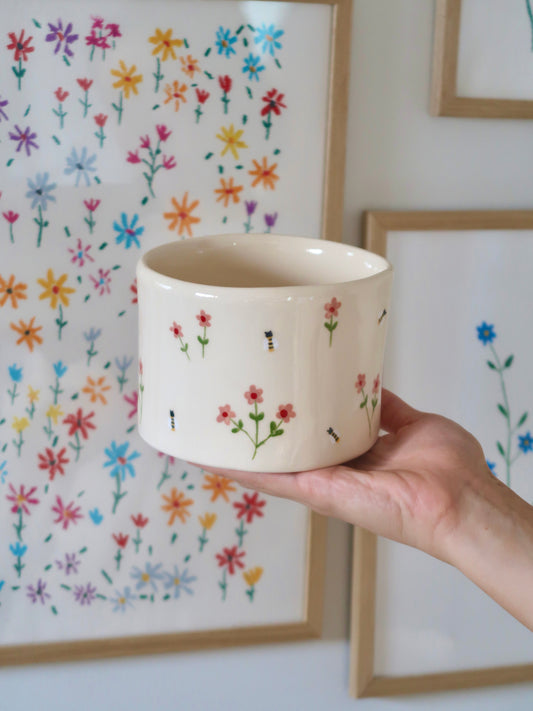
{"x": 395, "y": 413}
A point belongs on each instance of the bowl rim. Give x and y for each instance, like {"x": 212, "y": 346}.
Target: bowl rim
{"x": 249, "y": 291}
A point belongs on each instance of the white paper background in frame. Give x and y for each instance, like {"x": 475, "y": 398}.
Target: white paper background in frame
{"x": 429, "y": 618}
{"x": 81, "y": 197}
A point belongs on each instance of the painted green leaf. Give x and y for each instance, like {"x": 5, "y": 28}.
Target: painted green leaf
{"x": 491, "y": 365}
{"x": 500, "y": 448}
{"x": 327, "y": 325}
{"x": 334, "y": 326}
{"x": 277, "y": 433}
{"x": 502, "y": 409}
{"x": 509, "y": 361}
{"x": 234, "y": 429}
{"x": 272, "y": 428}
{"x": 522, "y": 419}
{"x": 241, "y": 424}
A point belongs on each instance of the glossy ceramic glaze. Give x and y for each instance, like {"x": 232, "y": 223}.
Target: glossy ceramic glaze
{"x": 261, "y": 352}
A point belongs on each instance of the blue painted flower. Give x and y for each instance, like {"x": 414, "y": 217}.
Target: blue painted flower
{"x": 128, "y": 233}
{"x": 252, "y": 66}
{"x": 60, "y": 369}
{"x": 3, "y": 471}
{"x": 15, "y": 373}
{"x": 225, "y": 42}
{"x": 179, "y": 581}
{"x": 148, "y": 576}
{"x": 57, "y": 33}
{"x": 81, "y": 164}
{"x": 18, "y": 549}
{"x": 269, "y": 37}
{"x": 2, "y": 584}
{"x": 119, "y": 461}
{"x": 125, "y": 364}
{"x": 40, "y": 191}
{"x": 3, "y": 114}
{"x": 492, "y": 467}
{"x": 123, "y": 600}
{"x": 525, "y": 442}
{"x": 485, "y": 333}
{"x": 96, "y": 517}
{"x": 92, "y": 334}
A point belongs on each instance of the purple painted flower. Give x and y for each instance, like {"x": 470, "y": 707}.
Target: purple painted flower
{"x": 38, "y": 593}
{"x": 3, "y": 114}
{"x": 60, "y": 35}
{"x": 250, "y": 206}
{"x": 25, "y": 138}
{"x": 271, "y": 219}
{"x": 84, "y": 594}
{"x": 70, "y": 564}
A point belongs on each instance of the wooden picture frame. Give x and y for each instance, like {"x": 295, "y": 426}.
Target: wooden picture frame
{"x": 444, "y": 98}
{"x": 364, "y": 682}
{"x": 330, "y": 175}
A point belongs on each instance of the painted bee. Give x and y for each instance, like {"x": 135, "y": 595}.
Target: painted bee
{"x": 334, "y": 436}
{"x": 172, "y": 421}
{"x": 270, "y": 343}
{"x": 382, "y": 315}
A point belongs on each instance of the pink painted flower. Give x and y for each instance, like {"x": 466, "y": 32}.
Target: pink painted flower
{"x": 375, "y": 388}
{"x": 176, "y": 330}
{"x": 203, "y": 318}
{"x": 11, "y": 216}
{"x": 133, "y": 157}
{"x": 226, "y": 413}
{"x": 98, "y": 22}
{"x": 162, "y": 132}
{"x": 21, "y": 498}
{"x": 253, "y": 395}
{"x": 171, "y": 459}
{"x": 91, "y": 204}
{"x": 133, "y": 400}
{"x": 285, "y": 412}
{"x": 332, "y": 308}
{"x": 66, "y": 514}
{"x": 169, "y": 162}
{"x": 133, "y": 289}
{"x": 140, "y": 367}
{"x": 102, "y": 282}
{"x": 81, "y": 253}
{"x": 145, "y": 141}
{"x": 114, "y": 29}
{"x": 360, "y": 382}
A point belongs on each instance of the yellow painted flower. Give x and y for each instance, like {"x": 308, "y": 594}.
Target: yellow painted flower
{"x": 20, "y": 423}
{"x": 207, "y": 520}
{"x": 231, "y": 138}
{"x": 127, "y": 79}
{"x": 33, "y": 395}
{"x": 177, "y": 505}
{"x": 55, "y": 289}
{"x": 165, "y": 44}
{"x": 54, "y": 412}
{"x": 253, "y": 575}
{"x": 96, "y": 389}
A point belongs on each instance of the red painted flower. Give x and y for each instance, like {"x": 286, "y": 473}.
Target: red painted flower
{"x": 171, "y": 459}
{"x": 375, "y": 388}
{"x": 145, "y": 141}
{"x": 360, "y": 382}
{"x": 202, "y": 95}
{"x": 20, "y": 45}
{"x": 176, "y": 330}
{"x": 274, "y": 102}
{"x": 60, "y": 94}
{"x": 169, "y": 162}
{"x": 121, "y": 539}
{"x": 203, "y": 318}
{"x": 225, "y": 414}
{"x": 140, "y": 367}
{"x": 162, "y": 132}
{"x": 140, "y": 521}
{"x": 253, "y": 395}
{"x": 11, "y": 216}
{"x": 100, "y": 119}
{"x": 85, "y": 83}
{"x": 133, "y": 401}
{"x": 133, "y": 289}
{"x": 133, "y": 157}
{"x": 230, "y": 557}
{"x": 250, "y": 506}
{"x": 22, "y": 498}
{"x": 91, "y": 205}
{"x": 53, "y": 462}
{"x": 66, "y": 514}
{"x": 285, "y": 412}
{"x": 225, "y": 83}
{"x": 79, "y": 423}
{"x": 332, "y": 308}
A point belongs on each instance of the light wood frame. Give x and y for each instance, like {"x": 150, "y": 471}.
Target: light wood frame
{"x": 444, "y": 99}
{"x": 363, "y": 681}
{"x": 311, "y": 625}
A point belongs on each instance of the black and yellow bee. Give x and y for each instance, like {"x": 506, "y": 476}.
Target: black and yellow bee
{"x": 334, "y": 436}
{"x": 172, "y": 421}
{"x": 270, "y": 343}
{"x": 382, "y": 315}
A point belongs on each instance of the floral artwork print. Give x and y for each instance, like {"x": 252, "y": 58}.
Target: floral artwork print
{"x": 515, "y": 443}
{"x": 331, "y": 311}
{"x": 360, "y": 386}
{"x": 115, "y": 136}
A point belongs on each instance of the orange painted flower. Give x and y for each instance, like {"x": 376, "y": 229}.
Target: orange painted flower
{"x": 264, "y": 174}
{"x": 96, "y": 389}
{"x": 219, "y": 485}
{"x": 127, "y": 79}
{"x": 182, "y": 219}
{"x": 228, "y": 191}
{"x": 55, "y": 289}
{"x": 177, "y": 505}
{"x": 10, "y": 290}
{"x": 28, "y": 332}
{"x": 165, "y": 44}
{"x": 176, "y": 92}
{"x": 189, "y": 66}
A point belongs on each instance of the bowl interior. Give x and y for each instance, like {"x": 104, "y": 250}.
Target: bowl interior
{"x": 262, "y": 261}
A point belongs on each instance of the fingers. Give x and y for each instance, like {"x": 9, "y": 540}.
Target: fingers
{"x": 395, "y": 413}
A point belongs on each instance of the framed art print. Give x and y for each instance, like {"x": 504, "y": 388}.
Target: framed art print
{"x": 460, "y": 345}
{"x": 122, "y": 126}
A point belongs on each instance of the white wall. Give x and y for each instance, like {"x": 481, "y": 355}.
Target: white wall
{"x": 398, "y": 158}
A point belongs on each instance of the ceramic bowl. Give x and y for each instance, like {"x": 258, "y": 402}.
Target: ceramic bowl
{"x": 261, "y": 352}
